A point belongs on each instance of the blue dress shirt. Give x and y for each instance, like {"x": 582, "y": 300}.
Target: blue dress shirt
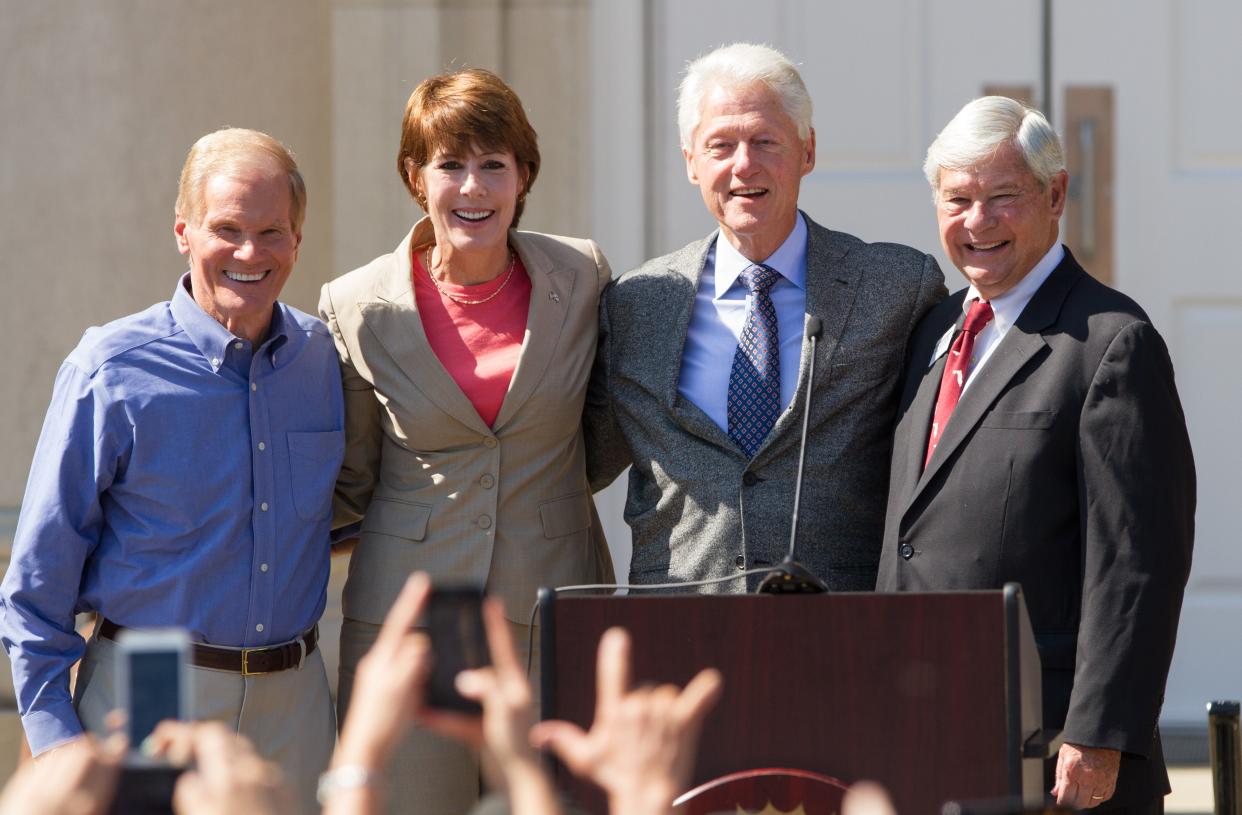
{"x": 720, "y": 315}
{"x": 183, "y": 478}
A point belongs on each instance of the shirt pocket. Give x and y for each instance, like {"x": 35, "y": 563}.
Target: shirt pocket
{"x": 314, "y": 461}
{"x": 397, "y": 519}
{"x": 564, "y": 516}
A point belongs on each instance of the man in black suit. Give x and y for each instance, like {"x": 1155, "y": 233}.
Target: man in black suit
{"x": 1042, "y": 441}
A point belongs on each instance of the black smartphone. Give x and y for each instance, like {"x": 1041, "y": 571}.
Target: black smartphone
{"x": 146, "y": 790}
{"x": 458, "y": 641}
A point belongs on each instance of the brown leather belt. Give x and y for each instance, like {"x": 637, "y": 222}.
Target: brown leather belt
{"x": 245, "y": 661}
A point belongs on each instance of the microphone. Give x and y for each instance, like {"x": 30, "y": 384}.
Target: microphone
{"x": 790, "y": 576}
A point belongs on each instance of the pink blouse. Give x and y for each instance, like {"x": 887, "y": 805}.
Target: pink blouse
{"x": 477, "y": 344}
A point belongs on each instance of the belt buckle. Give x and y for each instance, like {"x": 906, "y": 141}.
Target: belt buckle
{"x": 245, "y": 654}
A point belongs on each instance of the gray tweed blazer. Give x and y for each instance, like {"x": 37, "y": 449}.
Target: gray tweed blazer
{"x": 697, "y": 507}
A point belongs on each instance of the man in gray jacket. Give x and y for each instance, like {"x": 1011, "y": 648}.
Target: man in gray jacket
{"x": 701, "y": 373}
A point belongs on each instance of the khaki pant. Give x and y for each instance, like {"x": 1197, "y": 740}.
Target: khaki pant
{"x": 287, "y": 715}
{"x": 428, "y": 774}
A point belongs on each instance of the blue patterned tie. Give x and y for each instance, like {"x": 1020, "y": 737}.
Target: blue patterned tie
{"x": 755, "y": 381}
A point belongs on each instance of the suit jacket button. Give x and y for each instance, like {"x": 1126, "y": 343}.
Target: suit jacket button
{"x": 906, "y": 551}
{"x": 740, "y": 561}
{"x": 750, "y": 479}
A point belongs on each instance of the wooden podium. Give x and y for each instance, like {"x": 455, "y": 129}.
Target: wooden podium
{"x": 936, "y": 696}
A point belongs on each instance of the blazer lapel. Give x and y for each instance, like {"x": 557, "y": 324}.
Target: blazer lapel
{"x": 676, "y": 310}
{"x": 1021, "y": 343}
{"x": 393, "y": 319}
{"x": 551, "y": 289}
{"x": 915, "y": 427}
{"x": 831, "y": 285}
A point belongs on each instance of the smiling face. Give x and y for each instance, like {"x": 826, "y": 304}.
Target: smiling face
{"x": 996, "y": 220}
{"x": 748, "y": 163}
{"x": 470, "y": 196}
{"x": 243, "y": 249}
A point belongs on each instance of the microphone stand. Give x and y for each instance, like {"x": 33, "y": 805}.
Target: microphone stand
{"x": 790, "y": 576}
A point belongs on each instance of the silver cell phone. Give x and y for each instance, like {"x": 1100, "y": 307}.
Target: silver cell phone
{"x": 153, "y": 680}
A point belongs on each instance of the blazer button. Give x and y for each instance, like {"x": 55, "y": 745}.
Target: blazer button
{"x": 486, "y": 481}
{"x": 485, "y": 522}
{"x": 906, "y": 551}
{"x": 750, "y": 479}
{"x": 490, "y": 441}
{"x": 740, "y": 561}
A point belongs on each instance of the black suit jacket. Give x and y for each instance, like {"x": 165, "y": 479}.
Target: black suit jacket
{"x": 1066, "y": 467}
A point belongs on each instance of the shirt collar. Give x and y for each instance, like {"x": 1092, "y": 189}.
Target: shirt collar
{"x": 789, "y": 259}
{"x": 1008, "y": 307}
{"x": 210, "y": 337}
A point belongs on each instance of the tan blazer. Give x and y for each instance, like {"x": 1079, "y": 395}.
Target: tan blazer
{"x": 436, "y": 489}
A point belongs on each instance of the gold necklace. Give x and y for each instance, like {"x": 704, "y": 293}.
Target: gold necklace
{"x": 462, "y": 300}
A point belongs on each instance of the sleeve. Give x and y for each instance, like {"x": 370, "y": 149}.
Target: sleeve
{"x": 1137, "y": 493}
{"x": 603, "y": 271}
{"x": 76, "y": 460}
{"x": 931, "y": 292}
{"x": 363, "y": 435}
{"x": 607, "y": 454}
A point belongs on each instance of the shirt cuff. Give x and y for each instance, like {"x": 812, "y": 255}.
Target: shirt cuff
{"x": 51, "y": 727}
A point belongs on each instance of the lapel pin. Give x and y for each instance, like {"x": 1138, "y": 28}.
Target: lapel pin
{"x": 554, "y": 297}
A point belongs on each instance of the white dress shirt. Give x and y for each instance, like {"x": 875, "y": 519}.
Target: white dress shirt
{"x": 1005, "y": 312}
{"x": 719, "y": 315}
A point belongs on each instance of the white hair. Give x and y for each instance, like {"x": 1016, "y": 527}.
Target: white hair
{"x": 981, "y": 127}
{"x": 737, "y": 66}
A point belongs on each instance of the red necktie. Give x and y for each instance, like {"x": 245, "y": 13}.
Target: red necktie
{"x": 956, "y": 369}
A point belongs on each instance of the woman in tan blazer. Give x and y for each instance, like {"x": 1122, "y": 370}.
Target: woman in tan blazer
{"x": 465, "y": 355}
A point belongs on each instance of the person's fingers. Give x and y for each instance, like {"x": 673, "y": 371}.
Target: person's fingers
{"x": 867, "y": 798}
{"x": 500, "y": 638}
{"x": 405, "y": 611}
{"x": 566, "y": 739}
{"x": 1068, "y": 794}
{"x": 191, "y": 794}
{"x": 113, "y": 746}
{"x": 476, "y": 683}
{"x": 699, "y": 696}
{"x": 171, "y": 740}
{"x": 217, "y": 749}
{"x": 1059, "y": 775}
{"x": 612, "y": 671}
{"x": 460, "y": 727}
{"x": 115, "y": 720}
{"x": 101, "y": 774}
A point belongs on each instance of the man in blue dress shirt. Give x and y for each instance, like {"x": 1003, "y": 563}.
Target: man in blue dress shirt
{"x": 184, "y": 478}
